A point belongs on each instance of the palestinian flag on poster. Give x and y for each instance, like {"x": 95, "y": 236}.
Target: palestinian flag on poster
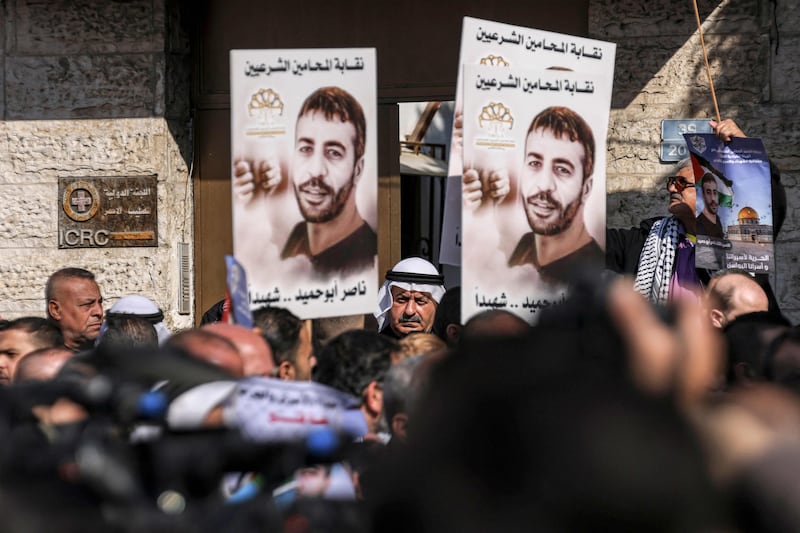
{"x": 702, "y": 167}
{"x": 738, "y": 232}
{"x": 724, "y": 190}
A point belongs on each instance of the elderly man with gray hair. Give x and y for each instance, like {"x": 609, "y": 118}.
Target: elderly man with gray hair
{"x": 660, "y": 253}
{"x": 408, "y": 298}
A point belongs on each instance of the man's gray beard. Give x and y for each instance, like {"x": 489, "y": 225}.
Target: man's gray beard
{"x": 339, "y": 200}
{"x": 563, "y": 222}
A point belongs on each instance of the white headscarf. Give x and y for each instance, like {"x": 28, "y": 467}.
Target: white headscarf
{"x": 141, "y": 307}
{"x": 411, "y": 274}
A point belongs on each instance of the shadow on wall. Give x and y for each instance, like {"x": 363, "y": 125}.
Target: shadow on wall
{"x": 63, "y": 64}
{"x": 138, "y": 63}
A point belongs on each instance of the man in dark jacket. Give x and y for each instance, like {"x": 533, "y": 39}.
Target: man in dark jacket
{"x": 660, "y": 252}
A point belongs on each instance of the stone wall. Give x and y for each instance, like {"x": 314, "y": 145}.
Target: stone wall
{"x": 660, "y": 74}
{"x": 101, "y": 88}
{"x": 91, "y": 88}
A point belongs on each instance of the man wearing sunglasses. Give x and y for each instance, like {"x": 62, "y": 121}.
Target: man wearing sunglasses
{"x": 660, "y": 252}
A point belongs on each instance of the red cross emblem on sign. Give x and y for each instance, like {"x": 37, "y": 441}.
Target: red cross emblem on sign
{"x": 81, "y": 200}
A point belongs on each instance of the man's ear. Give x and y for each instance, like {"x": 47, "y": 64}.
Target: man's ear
{"x": 358, "y": 169}
{"x": 373, "y": 398}
{"x": 717, "y": 318}
{"x": 54, "y": 309}
{"x": 286, "y": 371}
{"x": 453, "y": 333}
{"x": 400, "y": 425}
{"x": 587, "y": 187}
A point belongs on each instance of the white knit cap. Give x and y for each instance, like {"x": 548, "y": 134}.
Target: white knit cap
{"x": 411, "y": 274}
{"x": 141, "y": 307}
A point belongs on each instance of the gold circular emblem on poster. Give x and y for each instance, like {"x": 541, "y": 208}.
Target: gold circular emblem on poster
{"x": 81, "y": 201}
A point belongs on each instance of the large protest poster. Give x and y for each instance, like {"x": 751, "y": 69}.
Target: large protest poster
{"x": 489, "y": 43}
{"x": 304, "y": 178}
{"x": 533, "y": 212}
{"x": 495, "y": 44}
{"x": 734, "y": 203}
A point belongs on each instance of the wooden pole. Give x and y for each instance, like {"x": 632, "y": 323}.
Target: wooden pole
{"x": 705, "y": 57}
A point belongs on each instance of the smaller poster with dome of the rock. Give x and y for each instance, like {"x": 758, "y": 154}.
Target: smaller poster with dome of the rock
{"x": 734, "y": 203}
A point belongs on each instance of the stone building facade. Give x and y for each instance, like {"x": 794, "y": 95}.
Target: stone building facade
{"x": 91, "y": 89}
{"x": 102, "y": 88}
{"x": 660, "y": 74}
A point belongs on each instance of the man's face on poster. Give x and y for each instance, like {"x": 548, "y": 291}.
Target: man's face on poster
{"x": 552, "y": 182}
{"x": 324, "y": 167}
{"x": 710, "y": 198}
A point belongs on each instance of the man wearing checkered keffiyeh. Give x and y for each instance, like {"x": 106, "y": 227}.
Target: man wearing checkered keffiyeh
{"x": 663, "y": 249}
{"x": 660, "y": 253}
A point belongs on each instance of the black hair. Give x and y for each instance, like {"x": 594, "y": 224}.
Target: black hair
{"x": 748, "y": 339}
{"x": 128, "y": 332}
{"x": 447, "y": 312}
{"x": 354, "y": 359}
{"x": 44, "y": 333}
{"x": 281, "y": 329}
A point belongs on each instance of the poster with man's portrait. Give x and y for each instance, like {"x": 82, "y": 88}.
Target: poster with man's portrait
{"x": 534, "y": 187}
{"x": 734, "y": 203}
{"x": 495, "y": 44}
{"x": 504, "y": 46}
{"x": 304, "y": 178}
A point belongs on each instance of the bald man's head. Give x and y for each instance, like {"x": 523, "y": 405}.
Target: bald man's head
{"x": 731, "y": 294}
{"x": 209, "y": 347}
{"x": 255, "y": 352}
{"x": 41, "y": 365}
{"x": 494, "y": 323}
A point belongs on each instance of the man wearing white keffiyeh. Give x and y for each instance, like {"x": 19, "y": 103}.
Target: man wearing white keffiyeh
{"x": 408, "y": 298}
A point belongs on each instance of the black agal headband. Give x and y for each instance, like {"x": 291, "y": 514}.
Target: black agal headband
{"x": 413, "y": 277}
{"x": 153, "y": 318}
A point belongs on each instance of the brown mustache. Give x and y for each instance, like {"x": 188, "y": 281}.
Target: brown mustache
{"x": 315, "y": 183}
{"x": 552, "y": 203}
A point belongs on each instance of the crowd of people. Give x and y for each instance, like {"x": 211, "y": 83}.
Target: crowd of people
{"x": 655, "y": 398}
